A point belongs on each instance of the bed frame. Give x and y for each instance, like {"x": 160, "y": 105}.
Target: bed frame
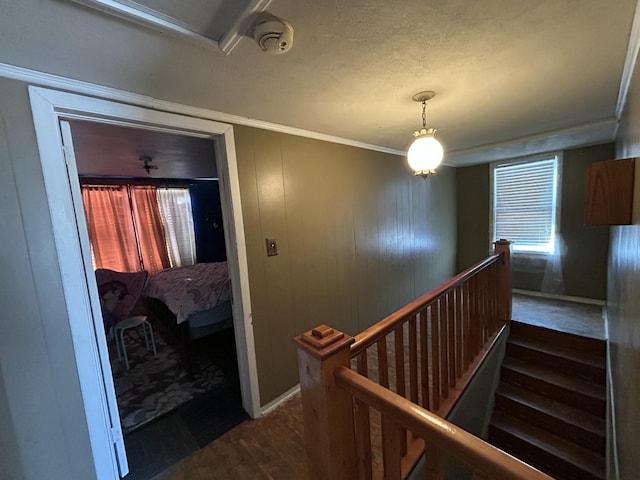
{"x": 198, "y": 325}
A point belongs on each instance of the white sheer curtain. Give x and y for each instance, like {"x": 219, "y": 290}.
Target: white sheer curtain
{"x": 175, "y": 209}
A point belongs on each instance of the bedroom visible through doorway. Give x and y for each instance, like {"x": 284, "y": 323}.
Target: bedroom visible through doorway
{"x": 73, "y": 249}
{"x": 156, "y": 236}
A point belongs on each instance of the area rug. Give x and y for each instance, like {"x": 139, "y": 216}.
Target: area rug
{"x": 152, "y": 387}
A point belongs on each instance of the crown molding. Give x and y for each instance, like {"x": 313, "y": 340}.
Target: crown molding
{"x": 630, "y": 62}
{"x": 77, "y": 86}
{"x": 592, "y": 133}
{"x": 147, "y": 17}
{"x": 600, "y": 131}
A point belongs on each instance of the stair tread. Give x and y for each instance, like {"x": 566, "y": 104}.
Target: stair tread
{"x": 567, "y": 451}
{"x": 578, "y": 342}
{"x": 559, "y": 410}
{"x": 592, "y": 360}
{"x": 554, "y": 377}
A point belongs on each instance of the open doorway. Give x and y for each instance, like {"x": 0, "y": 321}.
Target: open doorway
{"x": 74, "y": 254}
{"x": 154, "y": 216}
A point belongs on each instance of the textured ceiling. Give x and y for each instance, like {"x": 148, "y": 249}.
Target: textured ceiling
{"x": 511, "y": 76}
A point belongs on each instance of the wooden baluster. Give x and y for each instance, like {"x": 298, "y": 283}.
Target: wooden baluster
{"x": 444, "y": 366}
{"x": 383, "y": 363}
{"x": 363, "y": 427}
{"x": 490, "y": 289}
{"x": 435, "y": 357}
{"x": 464, "y": 292}
{"x": 459, "y": 332}
{"x": 398, "y": 336}
{"x": 413, "y": 359}
{"x": 494, "y": 299}
{"x": 392, "y": 436}
{"x": 424, "y": 358}
{"x": 451, "y": 349}
{"x": 482, "y": 277}
{"x": 503, "y": 247}
{"x": 477, "y": 326}
{"x": 469, "y": 328}
{"x": 326, "y": 409}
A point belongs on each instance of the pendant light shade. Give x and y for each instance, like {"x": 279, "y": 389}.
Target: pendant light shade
{"x": 425, "y": 153}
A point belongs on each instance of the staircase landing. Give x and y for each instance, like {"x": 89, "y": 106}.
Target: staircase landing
{"x": 583, "y": 319}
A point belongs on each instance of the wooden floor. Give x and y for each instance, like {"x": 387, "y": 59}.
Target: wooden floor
{"x": 272, "y": 447}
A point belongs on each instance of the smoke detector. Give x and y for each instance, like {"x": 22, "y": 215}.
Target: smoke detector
{"x": 273, "y": 35}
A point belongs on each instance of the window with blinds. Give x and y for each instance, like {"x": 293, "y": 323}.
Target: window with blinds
{"x": 525, "y": 203}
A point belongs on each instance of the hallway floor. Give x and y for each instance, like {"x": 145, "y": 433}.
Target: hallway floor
{"x": 272, "y": 447}
{"x": 584, "y": 319}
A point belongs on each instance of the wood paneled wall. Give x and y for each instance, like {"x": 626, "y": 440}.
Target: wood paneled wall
{"x": 623, "y": 311}
{"x": 358, "y": 236}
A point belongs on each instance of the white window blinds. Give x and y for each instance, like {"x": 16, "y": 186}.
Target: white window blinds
{"x": 175, "y": 209}
{"x": 524, "y": 204}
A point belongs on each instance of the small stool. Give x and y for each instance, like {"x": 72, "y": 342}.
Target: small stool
{"x": 129, "y": 323}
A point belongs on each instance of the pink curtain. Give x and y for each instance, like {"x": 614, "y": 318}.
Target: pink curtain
{"x": 111, "y": 231}
{"x": 153, "y": 246}
{"x": 126, "y": 235}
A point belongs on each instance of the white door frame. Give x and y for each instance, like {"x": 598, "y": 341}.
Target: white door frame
{"x": 73, "y": 251}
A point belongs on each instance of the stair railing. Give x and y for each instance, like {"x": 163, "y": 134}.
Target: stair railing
{"x": 372, "y": 402}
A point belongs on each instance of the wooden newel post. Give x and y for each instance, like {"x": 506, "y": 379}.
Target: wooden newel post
{"x": 327, "y": 410}
{"x": 503, "y": 247}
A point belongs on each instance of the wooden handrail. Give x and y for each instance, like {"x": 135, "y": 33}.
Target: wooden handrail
{"x": 371, "y": 335}
{"x": 422, "y": 357}
{"x": 477, "y": 454}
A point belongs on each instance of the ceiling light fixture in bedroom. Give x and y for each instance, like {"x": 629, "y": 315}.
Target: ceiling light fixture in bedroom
{"x": 146, "y": 159}
{"x": 425, "y": 153}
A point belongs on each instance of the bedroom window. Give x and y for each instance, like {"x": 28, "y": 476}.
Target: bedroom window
{"x": 133, "y": 228}
{"x": 177, "y": 219}
{"x": 525, "y": 203}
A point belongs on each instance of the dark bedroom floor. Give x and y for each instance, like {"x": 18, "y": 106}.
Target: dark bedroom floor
{"x": 162, "y": 442}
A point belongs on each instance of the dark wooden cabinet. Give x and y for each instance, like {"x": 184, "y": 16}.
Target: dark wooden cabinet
{"x": 609, "y": 192}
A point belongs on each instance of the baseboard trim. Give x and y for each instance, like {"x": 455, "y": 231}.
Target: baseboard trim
{"x": 273, "y": 404}
{"x": 531, "y": 293}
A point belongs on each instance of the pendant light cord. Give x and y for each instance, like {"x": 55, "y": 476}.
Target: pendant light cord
{"x": 424, "y": 114}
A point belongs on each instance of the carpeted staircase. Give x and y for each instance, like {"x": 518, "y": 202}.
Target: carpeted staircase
{"x": 550, "y": 404}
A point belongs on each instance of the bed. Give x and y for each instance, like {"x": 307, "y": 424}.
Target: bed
{"x": 191, "y": 302}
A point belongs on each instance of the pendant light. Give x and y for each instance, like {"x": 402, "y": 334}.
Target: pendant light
{"x": 425, "y": 153}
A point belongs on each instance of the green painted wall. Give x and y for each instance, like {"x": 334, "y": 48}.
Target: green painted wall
{"x": 583, "y": 270}
{"x": 472, "y": 190}
{"x": 358, "y": 237}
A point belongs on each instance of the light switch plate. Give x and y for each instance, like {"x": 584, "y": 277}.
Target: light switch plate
{"x": 272, "y": 247}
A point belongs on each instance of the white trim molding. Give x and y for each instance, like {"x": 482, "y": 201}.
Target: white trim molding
{"x": 629, "y": 62}
{"x": 566, "y": 298}
{"x": 108, "y": 93}
{"x": 150, "y": 18}
{"x": 281, "y": 400}
{"x": 74, "y": 257}
{"x": 592, "y": 133}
